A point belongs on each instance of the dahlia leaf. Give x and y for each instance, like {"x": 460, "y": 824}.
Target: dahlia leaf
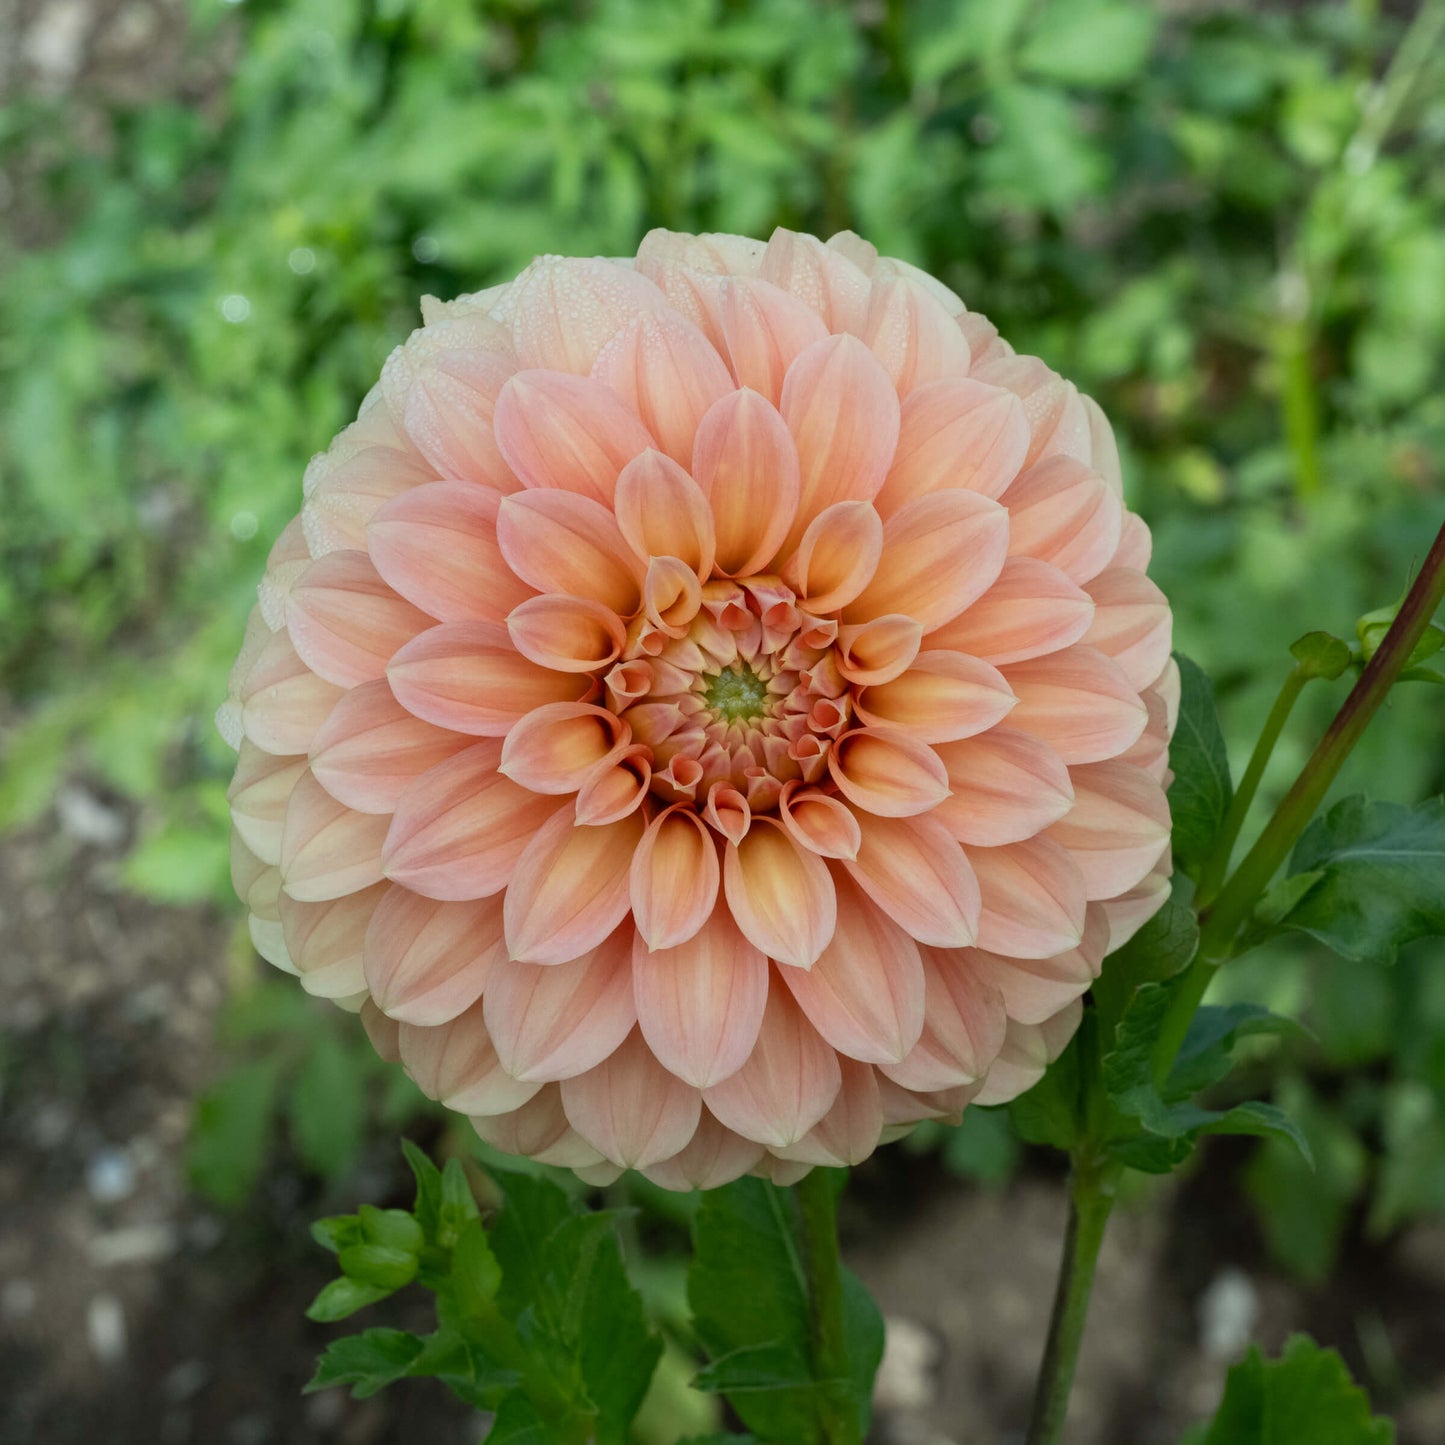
{"x": 1379, "y": 877}
{"x": 1201, "y": 792}
{"x": 617, "y": 1349}
{"x": 1052, "y": 1112}
{"x": 458, "y": 1203}
{"x": 1161, "y": 949}
{"x": 1264, "y": 1121}
{"x": 476, "y": 1275}
{"x": 534, "y": 1207}
{"x": 863, "y": 1331}
{"x": 1306, "y": 1397}
{"x": 428, "y": 1188}
{"x": 368, "y": 1362}
{"x": 343, "y": 1297}
{"x": 769, "y": 1366}
{"x": 518, "y": 1423}
{"x": 327, "y": 1107}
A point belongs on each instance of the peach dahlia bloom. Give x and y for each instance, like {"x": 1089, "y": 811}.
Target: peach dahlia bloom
{"x": 710, "y": 713}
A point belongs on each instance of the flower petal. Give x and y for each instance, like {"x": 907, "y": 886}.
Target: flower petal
{"x": 564, "y": 309}
{"x": 887, "y": 772}
{"x": 913, "y": 336}
{"x": 1066, "y": 515}
{"x": 942, "y": 697}
{"x": 674, "y": 878}
{"x": 837, "y": 556}
{"x": 872, "y": 653}
{"x": 1132, "y": 623}
{"x": 284, "y": 703}
{"x": 326, "y": 849}
{"x": 662, "y": 512}
{"x": 850, "y": 1131}
{"x": 1006, "y": 786}
{"x": 1031, "y": 609}
{"x": 539, "y": 1130}
{"x": 563, "y": 542}
{"x": 714, "y": 1156}
{"x": 781, "y": 895}
{"x": 1027, "y": 1051}
{"x": 566, "y": 634}
{"x": 1078, "y": 702}
{"x": 963, "y": 1029}
{"x": 919, "y": 877}
{"x": 324, "y": 941}
{"x": 258, "y": 795}
{"x": 555, "y": 748}
{"x": 456, "y": 1063}
{"x": 764, "y": 328}
{"x": 1033, "y": 898}
{"x": 1117, "y": 828}
{"x": 818, "y": 821}
{"x": 822, "y": 277}
{"x": 1035, "y": 989}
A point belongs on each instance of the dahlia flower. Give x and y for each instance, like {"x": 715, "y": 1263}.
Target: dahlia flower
{"x": 710, "y": 713}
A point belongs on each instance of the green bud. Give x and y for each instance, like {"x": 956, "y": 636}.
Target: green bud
{"x": 378, "y": 1265}
{"x": 1321, "y": 654}
{"x": 337, "y": 1231}
{"x": 395, "y": 1228}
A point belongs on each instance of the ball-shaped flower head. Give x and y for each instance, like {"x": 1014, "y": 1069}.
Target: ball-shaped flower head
{"x": 710, "y": 713}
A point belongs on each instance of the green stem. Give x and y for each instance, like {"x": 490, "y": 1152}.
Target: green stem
{"x": 1214, "y": 870}
{"x": 1091, "y": 1199}
{"x": 1221, "y": 921}
{"x": 818, "y": 1213}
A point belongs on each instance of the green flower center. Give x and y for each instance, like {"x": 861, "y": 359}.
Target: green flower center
{"x": 736, "y": 693}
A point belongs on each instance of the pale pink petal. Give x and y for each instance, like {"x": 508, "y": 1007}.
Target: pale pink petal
{"x": 461, "y": 827}
{"x": 941, "y": 551}
{"x": 1030, "y": 610}
{"x": 615, "y": 787}
{"x": 630, "y": 1108}
{"x": 887, "y": 772}
{"x": 788, "y": 1083}
{"x": 1132, "y": 623}
{"x": 345, "y": 493}
{"x": 674, "y": 878}
{"x": 864, "y": 995}
{"x": 1103, "y": 449}
{"x": 382, "y": 1033}
{"x": 955, "y": 434}
{"x": 556, "y": 748}
{"x": 919, "y": 877}
{"x": 1130, "y": 911}
{"x": 1033, "y": 898}
{"x": 539, "y": 1130}
{"x": 563, "y": 310}
{"x": 1027, "y": 1051}
{"x": 258, "y": 795}
{"x": 781, "y": 895}
{"x": 669, "y": 374}
{"x": 842, "y": 410}
{"x": 328, "y": 850}
{"x": 942, "y": 697}
{"x": 455, "y": 1063}
{"x": 662, "y": 512}
{"x": 1066, "y": 515}
{"x": 1135, "y": 544}
{"x": 426, "y": 961}
{"x": 983, "y": 339}
{"x": 764, "y": 328}
{"x": 570, "y": 889}
{"x": 468, "y": 676}
{"x": 371, "y": 748}
{"x": 902, "y": 1108}
{"x": 746, "y": 463}
{"x": 825, "y": 280}
{"x": 913, "y": 336}
{"x": 284, "y": 703}
{"x": 256, "y": 883}
{"x": 870, "y": 653}
{"x": 1006, "y": 786}
{"x": 1117, "y": 828}
{"x": 570, "y": 433}
{"x": 837, "y": 556}
{"x": 818, "y": 821}
{"x": 1034, "y": 989}
{"x": 324, "y": 940}
{"x": 1058, "y": 423}
{"x": 714, "y": 1156}
{"x": 286, "y": 561}
{"x": 566, "y": 634}
{"x": 1078, "y": 702}
{"x": 963, "y": 1028}
{"x": 550, "y": 1022}
{"x": 700, "y": 1004}
{"x": 671, "y": 595}
{"x": 562, "y": 542}
{"x": 849, "y": 1132}
{"x": 437, "y": 545}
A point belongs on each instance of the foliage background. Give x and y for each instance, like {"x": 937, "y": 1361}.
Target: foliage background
{"x": 1225, "y": 221}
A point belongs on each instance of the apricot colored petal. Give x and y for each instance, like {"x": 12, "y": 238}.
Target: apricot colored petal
{"x": 630, "y": 1109}
{"x": 919, "y": 877}
{"x": 1035, "y": 989}
{"x": 788, "y": 1083}
{"x": 824, "y": 279}
{"x": 563, "y": 542}
{"x": 324, "y": 940}
{"x": 1031, "y": 609}
{"x": 345, "y": 493}
{"x": 1027, "y": 1052}
{"x": 570, "y": 433}
{"x": 764, "y": 328}
{"x": 842, "y": 410}
{"x": 1064, "y": 514}
{"x": 328, "y": 850}
{"x": 346, "y": 622}
{"x": 1078, "y": 702}
{"x": 781, "y": 895}
{"x": 468, "y": 676}
{"x": 836, "y": 557}
{"x": 864, "y": 995}
{"x": 1117, "y": 828}
{"x": 284, "y": 703}
{"x": 746, "y": 464}
{"x": 370, "y": 749}
{"x": 714, "y": 1156}
{"x": 942, "y": 697}
{"x": 1136, "y": 545}
{"x": 1006, "y": 786}
{"x": 913, "y": 336}
{"x": 437, "y": 546}
{"x": 963, "y": 1029}
{"x": 461, "y": 827}
{"x": 1058, "y": 423}
{"x": 455, "y": 1063}
{"x": 426, "y": 961}
{"x": 956, "y": 433}
{"x": 566, "y": 634}
{"x": 674, "y": 878}
{"x": 1130, "y": 911}
{"x": 941, "y": 551}
{"x": 382, "y": 1033}
{"x": 662, "y": 512}
{"x": 872, "y": 653}
{"x": 570, "y": 889}
{"x": 700, "y": 1004}
{"x": 556, "y": 747}
{"x": 850, "y": 1131}
{"x": 259, "y": 792}
{"x": 818, "y": 821}
{"x": 550, "y": 1022}
{"x": 540, "y": 1130}
{"x": 1033, "y": 898}
{"x": 887, "y": 772}
{"x": 671, "y": 595}
{"x": 1132, "y": 623}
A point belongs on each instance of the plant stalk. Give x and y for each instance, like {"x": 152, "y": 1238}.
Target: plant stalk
{"x": 818, "y": 1215}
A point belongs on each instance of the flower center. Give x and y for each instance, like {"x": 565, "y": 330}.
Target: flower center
{"x": 736, "y": 693}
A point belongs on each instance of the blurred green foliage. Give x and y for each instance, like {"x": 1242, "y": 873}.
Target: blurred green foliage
{"x": 1226, "y": 222}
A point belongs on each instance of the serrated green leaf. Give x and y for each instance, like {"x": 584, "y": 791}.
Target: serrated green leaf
{"x": 769, "y": 1366}
{"x": 1265, "y": 1121}
{"x": 343, "y": 1297}
{"x": 476, "y": 1275}
{"x": 458, "y": 1205}
{"x": 1304, "y": 1398}
{"x": 1380, "y": 877}
{"x": 1159, "y": 950}
{"x": 1206, "y": 1055}
{"x": 518, "y": 1423}
{"x": 367, "y": 1362}
{"x": 1201, "y": 792}
{"x": 427, "y": 1208}
{"x": 617, "y": 1350}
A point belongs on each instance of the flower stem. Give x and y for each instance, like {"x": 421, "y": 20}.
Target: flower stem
{"x": 1091, "y": 1199}
{"x": 818, "y": 1214}
{"x": 1221, "y": 920}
